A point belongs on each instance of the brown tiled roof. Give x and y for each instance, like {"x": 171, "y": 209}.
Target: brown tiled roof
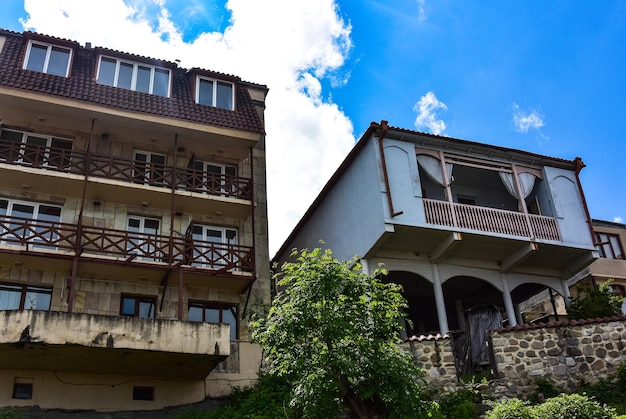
{"x": 81, "y": 85}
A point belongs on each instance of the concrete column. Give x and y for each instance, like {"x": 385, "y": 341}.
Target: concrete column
{"x": 439, "y": 302}
{"x": 518, "y": 314}
{"x": 565, "y": 292}
{"x": 508, "y": 302}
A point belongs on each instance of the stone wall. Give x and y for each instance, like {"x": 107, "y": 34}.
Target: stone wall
{"x": 565, "y": 353}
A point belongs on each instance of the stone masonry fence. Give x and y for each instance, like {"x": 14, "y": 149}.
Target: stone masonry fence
{"x": 565, "y": 353}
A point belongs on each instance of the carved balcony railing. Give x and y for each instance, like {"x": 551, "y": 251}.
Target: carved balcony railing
{"x": 39, "y": 235}
{"x": 133, "y": 171}
{"x": 490, "y": 220}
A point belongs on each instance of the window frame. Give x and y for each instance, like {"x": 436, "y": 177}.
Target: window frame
{"x": 138, "y": 299}
{"x": 24, "y": 290}
{"x": 214, "y": 99}
{"x": 134, "y": 75}
{"x": 49, "y": 147}
{"x": 199, "y": 243}
{"x": 46, "y": 63}
{"x": 613, "y": 243}
{"x": 35, "y": 216}
{"x": 221, "y": 307}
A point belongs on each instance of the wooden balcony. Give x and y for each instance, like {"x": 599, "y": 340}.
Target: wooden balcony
{"x": 61, "y": 240}
{"x": 129, "y": 171}
{"x": 490, "y": 220}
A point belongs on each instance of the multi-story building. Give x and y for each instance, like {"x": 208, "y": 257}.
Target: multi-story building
{"x": 460, "y": 225}
{"x": 133, "y": 227}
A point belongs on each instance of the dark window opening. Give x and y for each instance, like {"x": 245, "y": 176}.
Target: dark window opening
{"x": 143, "y": 393}
{"x": 467, "y": 200}
{"x": 609, "y": 246}
{"x": 23, "y": 391}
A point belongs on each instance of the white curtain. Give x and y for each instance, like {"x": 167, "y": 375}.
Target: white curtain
{"x": 432, "y": 167}
{"x": 526, "y": 183}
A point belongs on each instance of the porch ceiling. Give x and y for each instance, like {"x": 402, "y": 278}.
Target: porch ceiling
{"x": 446, "y": 245}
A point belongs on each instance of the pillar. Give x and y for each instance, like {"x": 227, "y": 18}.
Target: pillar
{"x": 508, "y": 302}
{"x": 439, "y": 302}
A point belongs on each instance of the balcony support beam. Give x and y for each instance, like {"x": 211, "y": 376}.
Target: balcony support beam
{"x": 579, "y": 264}
{"x": 518, "y": 257}
{"x": 445, "y": 247}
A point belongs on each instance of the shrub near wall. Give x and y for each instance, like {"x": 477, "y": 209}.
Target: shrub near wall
{"x": 566, "y": 353}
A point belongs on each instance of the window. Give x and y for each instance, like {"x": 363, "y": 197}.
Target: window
{"x": 143, "y": 393}
{"x": 219, "y": 94}
{"x": 149, "y": 168}
{"x": 23, "y": 388}
{"x": 34, "y": 149}
{"x": 212, "y": 246}
{"x": 138, "y": 306}
{"x": 134, "y": 76}
{"x": 143, "y": 237}
{"x": 24, "y": 297}
{"x": 214, "y": 178}
{"x": 20, "y": 230}
{"x": 609, "y": 246}
{"x": 618, "y": 290}
{"x": 214, "y": 313}
{"x": 47, "y": 58}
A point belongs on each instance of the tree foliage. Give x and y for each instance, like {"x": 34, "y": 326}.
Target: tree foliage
{"x": 333, "y": 331}
{"x": 596, "y": 302}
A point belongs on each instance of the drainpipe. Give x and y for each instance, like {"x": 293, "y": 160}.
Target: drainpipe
{"x": 71, "y": 295}
{"x": 578, "y": 162}
{"x": 383, "y": 131}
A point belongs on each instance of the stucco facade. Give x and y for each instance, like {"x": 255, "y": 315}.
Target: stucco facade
{"x": 133, "y": 229}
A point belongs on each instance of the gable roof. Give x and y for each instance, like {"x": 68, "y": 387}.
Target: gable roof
{"x": 81, "y": 85}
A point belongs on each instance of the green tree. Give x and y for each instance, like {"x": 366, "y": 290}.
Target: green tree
{"x": 596, "y": 302}
{"x": 333, "y": 332}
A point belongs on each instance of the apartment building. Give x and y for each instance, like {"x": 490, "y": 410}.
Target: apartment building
{"x": 133, "y": 227}
{"x": 469, "y": 230}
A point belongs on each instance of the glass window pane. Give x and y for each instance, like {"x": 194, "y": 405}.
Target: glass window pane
{"x": 157, "y": 158}
{"x": 25, "y": 211}
{"x": 195, "y": 313}
{"x": 151, "y": 226}
{"x": 146, "y": 309}
{"x": 143, "y": 79}
{"x": 14, "y": 136}
{"x": 49, "y": 213}
{"x": 10, "y": 297}
{"x": 161, "y": 82}
{"x": 230, "y": 170}
{"x": 212, "y": 315}
{"x": 125, "y": 76}
{"x": 59, "y": 60}
{"x": 617, "y": 248}
{"x": 231, "y": 236}
{"x": 214, "y": 236}
{"x": 4, "y": 204}
{"x": 229, "y": 315}
{"x": 128, "y": 306}
{"x": 37, "y": 57}
{"x": 224, "y": 95}
{"x": 62, "y": 144}
{"x": 205, "y": 92}
{"x": 106, "y": 74}
{"x": 37, "y": 299}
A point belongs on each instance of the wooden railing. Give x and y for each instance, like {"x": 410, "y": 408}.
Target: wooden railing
{"x": 128, "y": 246}
{"x": 490, "y": 219}
{"x": 108, "y": 167}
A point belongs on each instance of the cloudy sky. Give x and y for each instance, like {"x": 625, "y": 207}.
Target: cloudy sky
{"x": 546, "y": 77}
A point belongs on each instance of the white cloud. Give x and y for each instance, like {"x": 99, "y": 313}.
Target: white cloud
{"x": 426, "y": 109}
{"x": 618, "y": 220}
{"x": 287, "y": 45}
{"x": 421, "y": 13}
{"x": 525, "y": 121}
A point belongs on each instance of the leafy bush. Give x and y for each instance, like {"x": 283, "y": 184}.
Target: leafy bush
{"x": 544, "y": 389}
{"x": 268, "y": 399}
{"x": 511, "y": 409}
{"x": 573, "y": 406}
{"x": 597, "y": 302}
{"x": 610, "y": 390}
{"x": 460, "y": 404}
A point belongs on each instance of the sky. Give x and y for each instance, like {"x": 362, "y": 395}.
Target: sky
{"x": 542, "y": 76}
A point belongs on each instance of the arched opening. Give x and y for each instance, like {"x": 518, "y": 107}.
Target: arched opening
{"x": 418, "y": 292}
{"x": 538, "y": 303}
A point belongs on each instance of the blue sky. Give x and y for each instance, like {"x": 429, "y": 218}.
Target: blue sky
{"x": 542, "y": 76}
